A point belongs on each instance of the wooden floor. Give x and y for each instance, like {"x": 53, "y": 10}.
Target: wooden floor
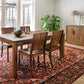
{"x": 80, "y": 80}
{"x": 74, "y": 45}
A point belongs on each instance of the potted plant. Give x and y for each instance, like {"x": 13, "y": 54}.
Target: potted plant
{"x": 50, "y": 23}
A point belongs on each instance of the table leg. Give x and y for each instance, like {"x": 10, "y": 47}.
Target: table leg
{"x": 14, "y": 61}
{"x": 63, "y": 42}
{"x": 62, "y": 48}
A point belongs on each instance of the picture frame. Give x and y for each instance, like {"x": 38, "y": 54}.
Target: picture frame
{"x": 82, "y": 20}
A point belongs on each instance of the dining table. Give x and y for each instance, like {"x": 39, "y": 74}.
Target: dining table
{"x": 18, "y": 41}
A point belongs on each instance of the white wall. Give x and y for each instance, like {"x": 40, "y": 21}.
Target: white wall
{"x": 43, "y": 7}
{"x": 64, "y": 9}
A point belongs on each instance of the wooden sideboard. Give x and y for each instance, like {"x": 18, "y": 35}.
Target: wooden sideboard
{"x": 75, "y": 34}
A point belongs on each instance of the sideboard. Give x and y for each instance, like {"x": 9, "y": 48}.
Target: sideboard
{"x": 75, "y": 34}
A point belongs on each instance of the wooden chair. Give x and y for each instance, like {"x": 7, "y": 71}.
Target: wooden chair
{"x": 55, "y": 43}
{"x": 27, "y": 28}
{"x": 23, "y": 28}
{"x": 6, "y": 31}
{"x": 37, "y": 48}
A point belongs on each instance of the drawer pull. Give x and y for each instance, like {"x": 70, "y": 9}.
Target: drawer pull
{"x": 73, "y": 32}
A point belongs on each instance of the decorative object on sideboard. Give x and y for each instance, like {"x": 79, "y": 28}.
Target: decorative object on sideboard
{"x": 81, "y": 19}
{"x": 74, "y": 13}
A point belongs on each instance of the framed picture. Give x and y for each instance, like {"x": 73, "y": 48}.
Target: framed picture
{"x": 81, "y": 19}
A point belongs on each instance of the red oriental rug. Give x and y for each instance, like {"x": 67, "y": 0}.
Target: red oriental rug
{"x": 62, "y": 73}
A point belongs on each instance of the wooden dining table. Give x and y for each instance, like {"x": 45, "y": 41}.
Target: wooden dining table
{"x": 18, "y": 41}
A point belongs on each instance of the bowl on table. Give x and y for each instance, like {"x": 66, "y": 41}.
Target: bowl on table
{"x": 18, "y": 33}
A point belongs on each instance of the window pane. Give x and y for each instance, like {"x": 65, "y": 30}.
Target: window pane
{"x": 11, "y": 16}
{"x": 0, "y": 17}
{"x": 26, "y": 15}
{"x": 10, "y": 1}
{"x": 0, "y": 13}
{"x": 30, "y": 14}
{"x": 0, "y": 2}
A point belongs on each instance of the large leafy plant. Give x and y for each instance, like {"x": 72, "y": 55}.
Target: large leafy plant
{"x": 50, "y": 23}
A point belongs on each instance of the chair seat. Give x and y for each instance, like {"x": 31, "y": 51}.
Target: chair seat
{"x": 27, "y": 51}
{"x": 6, "y": 44}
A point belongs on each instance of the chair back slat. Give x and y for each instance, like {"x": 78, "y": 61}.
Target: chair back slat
{"x": 27, "y": 28}
{"x": 56, "y": 37}
{"x": 39, "y": 40}
{"x": 7, "y": 30}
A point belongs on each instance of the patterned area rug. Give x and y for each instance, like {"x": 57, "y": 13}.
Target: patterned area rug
{"x": 62, "y": 73}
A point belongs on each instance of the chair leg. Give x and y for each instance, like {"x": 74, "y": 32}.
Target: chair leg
{"x": 28, "y": 45}
{"x": 31, "y": 65}
{"x": 7, "y": 54}
{"x": 50, "y": 59}
{"x": 19, "y": 60}
{"x": 44, "y": 61}
{"x": 1, "y": 51}
{"x": 38, "y": 60}
{"x": 21, "y": 46}
{"x": 33, "y": 61}
{"x": 61, "y": 54}
{"x": 21, "y": 49}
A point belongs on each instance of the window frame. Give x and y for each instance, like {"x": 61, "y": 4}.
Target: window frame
{"x": 28, "y": 5}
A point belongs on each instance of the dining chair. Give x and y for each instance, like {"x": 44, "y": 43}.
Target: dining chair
{"x": 55, "y": 43}
{"x": 25, "y": 29}
{"x": 3, "y": 44}
{"x": 37, "y": 48}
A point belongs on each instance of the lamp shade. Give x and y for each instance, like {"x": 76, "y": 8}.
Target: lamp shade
{"x": 75, "y": 12}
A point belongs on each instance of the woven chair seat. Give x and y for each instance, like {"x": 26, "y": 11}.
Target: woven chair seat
{"x": 27, "y": 51}
{"x": 6, "y": 44}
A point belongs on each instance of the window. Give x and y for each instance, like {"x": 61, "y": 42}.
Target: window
{"x": 0, "y": 17}
{"x": 10, "y": 12}
{"x": 26, "y": 12}
{"x": 0, "y": 13}
{"x": 15, "y": 13}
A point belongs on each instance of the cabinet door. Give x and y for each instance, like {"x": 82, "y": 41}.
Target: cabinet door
{"x": 82, "y": 35}
{"x": 76, "y": 33}
{"x": 69, "y": 34}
